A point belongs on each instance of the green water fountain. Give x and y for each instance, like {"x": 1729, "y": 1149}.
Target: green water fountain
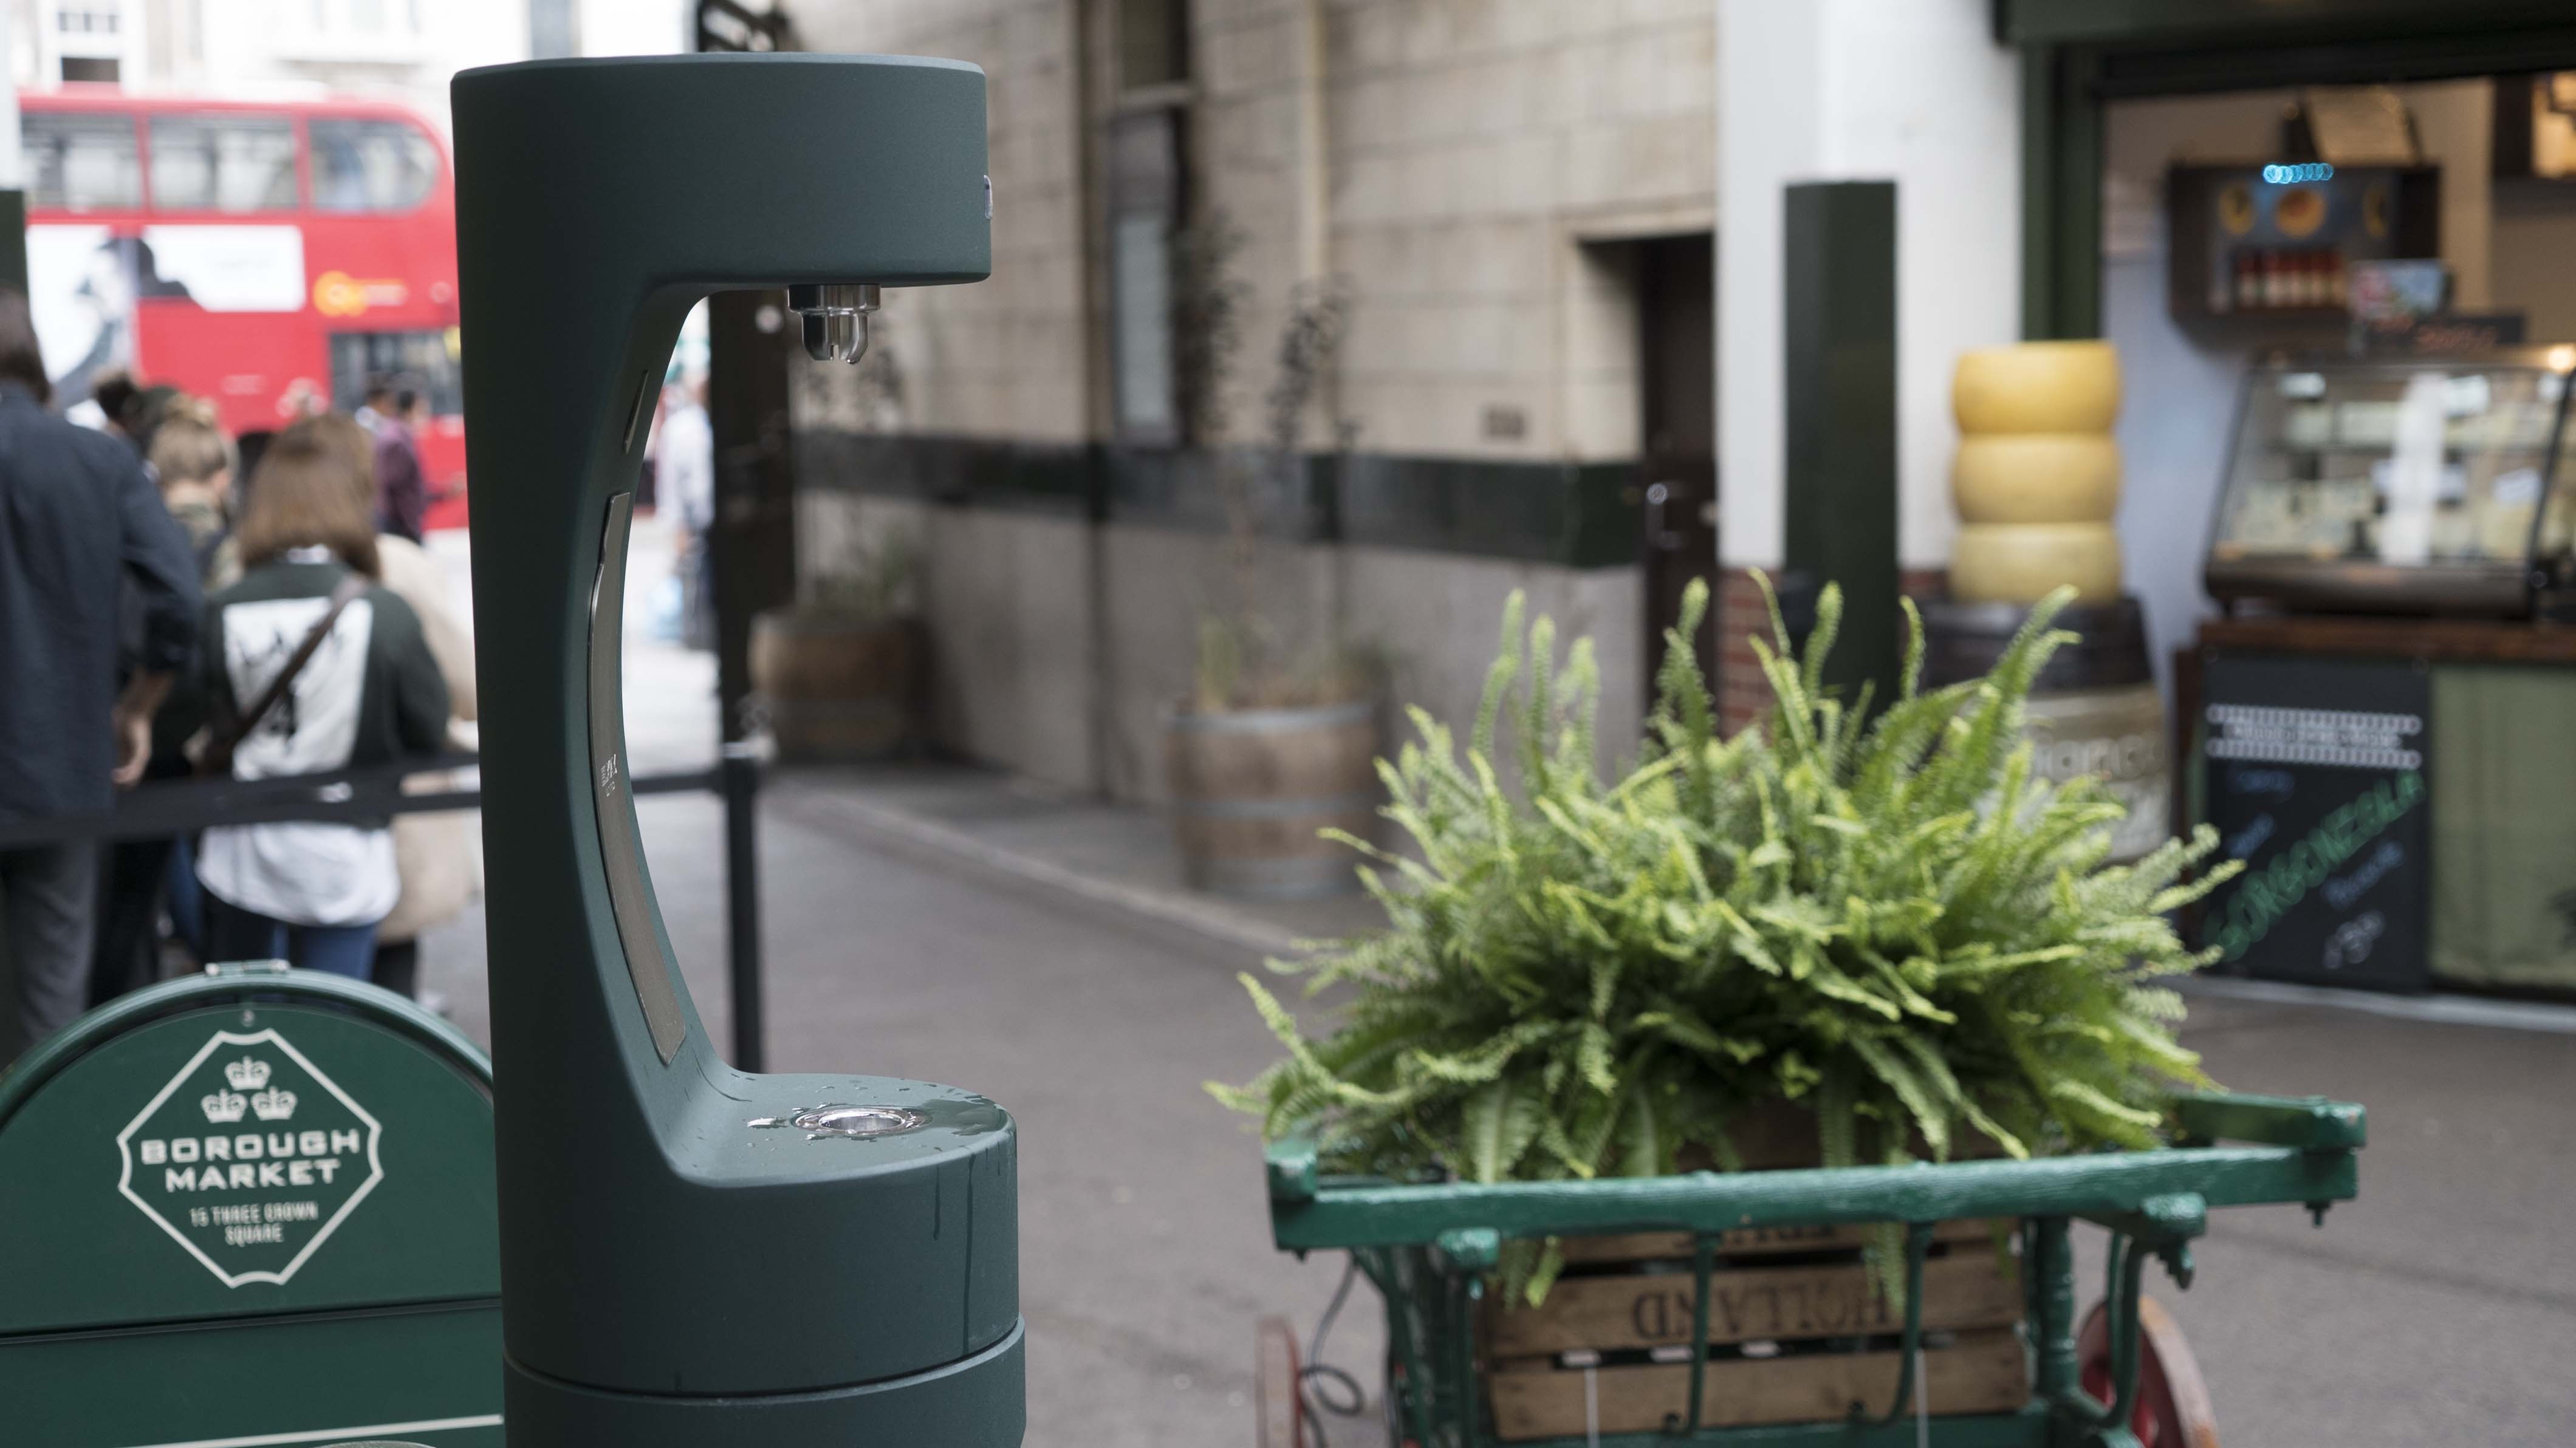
{"x": 691, "y": 1254}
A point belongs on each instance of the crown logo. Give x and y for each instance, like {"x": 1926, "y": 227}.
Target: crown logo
{"x": 274, "y": 1104}
{"x": 247, "y": 1074}
{"x": 224, "y": 1105}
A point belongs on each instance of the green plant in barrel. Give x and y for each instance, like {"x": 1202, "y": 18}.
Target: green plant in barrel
{"x": 1882, "y": 918}
{"x": 1252, "y": 652}
{"x": 839, "y": 673}
{"x": 877, "y": 580}
{"x": 1268, "y": 753}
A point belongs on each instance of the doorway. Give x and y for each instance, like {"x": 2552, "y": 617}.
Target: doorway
{"x": 1677, "y": 391}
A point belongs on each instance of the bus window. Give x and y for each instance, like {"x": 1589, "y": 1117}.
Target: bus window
{"x": 223, "y": 163}
{"x": 422, "y": 362}
{"x": 370, "y": 165}
{"x": 78, "y": 162}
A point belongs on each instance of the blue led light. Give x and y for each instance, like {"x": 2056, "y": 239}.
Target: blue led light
{"x": 2305, "y": 171}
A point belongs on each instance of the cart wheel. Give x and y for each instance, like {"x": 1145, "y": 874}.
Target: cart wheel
{"x": 2173, "y": 1402}
{"x": 1278, "y": 1409}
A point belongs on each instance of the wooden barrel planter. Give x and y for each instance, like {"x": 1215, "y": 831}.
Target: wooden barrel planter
{"x": 839, "y": 686}
{"x": 1252, "y": 789}
{"x": 2094, "y": 709}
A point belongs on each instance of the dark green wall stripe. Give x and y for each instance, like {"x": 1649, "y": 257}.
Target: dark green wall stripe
{"x": 2236, "y": 22}
{"x": 1024, "y": 476}
{"x": 1575, "y": 515}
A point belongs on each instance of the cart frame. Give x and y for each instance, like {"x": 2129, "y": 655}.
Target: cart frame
{"x": 1429, "y": 1246}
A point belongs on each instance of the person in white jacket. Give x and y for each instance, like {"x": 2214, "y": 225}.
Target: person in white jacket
{"x": 439, "y": 856}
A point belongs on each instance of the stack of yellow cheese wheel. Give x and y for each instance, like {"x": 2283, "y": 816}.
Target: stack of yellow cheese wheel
{"x": 2038, "y": 475}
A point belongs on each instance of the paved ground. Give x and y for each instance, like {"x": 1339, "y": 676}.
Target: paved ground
{"x": 2439, "y": 1308}
{"x": 954, "y": 926}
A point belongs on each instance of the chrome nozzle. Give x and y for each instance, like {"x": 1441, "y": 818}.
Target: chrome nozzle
{"x": 836, "y": 318}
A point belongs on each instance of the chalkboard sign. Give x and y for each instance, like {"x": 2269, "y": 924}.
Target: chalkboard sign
{"x": 2316, "y": 780}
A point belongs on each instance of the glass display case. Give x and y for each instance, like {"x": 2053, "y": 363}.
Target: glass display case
{"x": 2400, "y": 485}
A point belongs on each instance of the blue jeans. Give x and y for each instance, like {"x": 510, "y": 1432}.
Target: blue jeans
{"x": 233, "y": 933}
{"x": 186, "y": 900}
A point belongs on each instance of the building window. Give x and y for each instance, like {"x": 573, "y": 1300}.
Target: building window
{"x": 100, "y": 70}
{"x": 1140, "y": 338}
{"x": 223, "y": 163}
{"x": 1145, "y": 211}
{"x": 1153, "y": 43}
{"x": 80, "y": 162}
{"x": 422, "y": 362}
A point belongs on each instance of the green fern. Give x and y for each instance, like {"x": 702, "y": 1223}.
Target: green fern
{"x": 1886, "y": 918}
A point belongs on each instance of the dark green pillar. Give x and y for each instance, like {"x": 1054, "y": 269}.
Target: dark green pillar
{"x": 1839, "y": 325}
{"x": 2061, "y": 209}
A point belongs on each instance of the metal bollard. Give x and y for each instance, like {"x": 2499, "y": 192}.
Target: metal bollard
{"x": 691, "y": 1254}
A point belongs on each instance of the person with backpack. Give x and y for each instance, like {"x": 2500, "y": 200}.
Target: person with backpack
{"x": 438, "y": 854}
{"x": 310, "y": 665}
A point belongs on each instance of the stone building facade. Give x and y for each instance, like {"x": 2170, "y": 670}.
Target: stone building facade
{"x": 1501, "y": 197}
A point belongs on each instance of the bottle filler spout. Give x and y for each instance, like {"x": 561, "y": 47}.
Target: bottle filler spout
{"x": 836, "y": 318}
{"x": 691, "y": 1254}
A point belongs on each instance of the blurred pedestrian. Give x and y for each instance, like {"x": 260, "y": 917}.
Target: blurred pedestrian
{"x": 248, "y": 448}
{"x": 112, "y": 393}
{"x": 205, "y": 503}
{"x": 144, "y": 413}
{"x": 402, "y": 491}
{"x": 193, "y": 462}
{"x": 311, "y": 666}
{"x": 78, "y": 518}
{"x": 688, "y": 479}
{"x": 439, "y": 856}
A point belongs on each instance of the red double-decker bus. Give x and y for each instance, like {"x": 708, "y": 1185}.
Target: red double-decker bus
{"x": 271, "y": 255}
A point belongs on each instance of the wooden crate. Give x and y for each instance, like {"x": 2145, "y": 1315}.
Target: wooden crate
{"x": 1800, "y": 1330}
{"x": 1979, "y": 1372}
{"x": 1752, "y": 1242}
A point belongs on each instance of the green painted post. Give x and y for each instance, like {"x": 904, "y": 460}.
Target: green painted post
{"x": 2051, "y": 1266}
{"x": 1838, "y": 372}
{"x": 690, "y": 1254}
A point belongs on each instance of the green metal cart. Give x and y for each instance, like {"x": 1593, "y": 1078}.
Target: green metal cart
{"x": 2121, "y": 1380}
